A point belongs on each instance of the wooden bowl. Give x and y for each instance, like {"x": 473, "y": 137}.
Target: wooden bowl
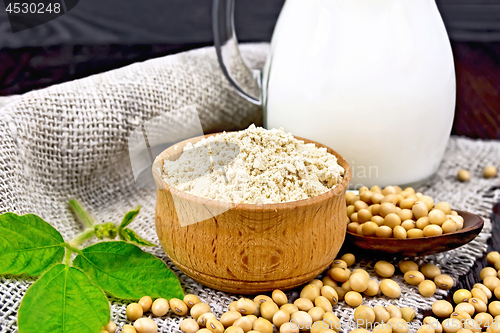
{"x": 473, "y": 224}
{"x": 250, "y": 248}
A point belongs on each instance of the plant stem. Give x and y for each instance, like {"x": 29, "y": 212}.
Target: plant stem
{"x": 81, "y": 213}
{"x": 69, "y": 250}
{"x": 78, "y": 240}
{"x": 72, "y": 249}
{"x": 67, "y": 258}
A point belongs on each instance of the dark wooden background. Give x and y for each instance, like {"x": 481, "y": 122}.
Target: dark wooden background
{"x": 97, "y": 36}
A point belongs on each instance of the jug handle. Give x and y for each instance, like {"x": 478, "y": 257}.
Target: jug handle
{"x": 246, "y": 81}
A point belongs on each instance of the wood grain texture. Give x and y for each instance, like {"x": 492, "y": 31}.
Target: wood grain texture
{"x": 477, "y": 114}
{"x": 413, "y": 247}
{"x": 250, "y": 248}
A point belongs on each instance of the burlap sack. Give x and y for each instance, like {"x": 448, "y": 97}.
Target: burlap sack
{"x": 70, "y": 140}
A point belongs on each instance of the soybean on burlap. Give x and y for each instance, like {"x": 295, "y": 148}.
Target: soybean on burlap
{"x": 71, "y": 140}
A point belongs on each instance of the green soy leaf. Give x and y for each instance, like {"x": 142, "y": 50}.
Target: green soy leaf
{"x": 129, "y": 217}
{"x": 28, "y": 245}
{"x": 63, "y": 300}
{"x": 130, "y": 236}
{"x": 124, "y": 271}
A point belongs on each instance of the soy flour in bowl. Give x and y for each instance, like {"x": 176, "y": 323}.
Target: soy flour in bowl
{"x": 234, "y": 243}
{"x": 255, "y": 165}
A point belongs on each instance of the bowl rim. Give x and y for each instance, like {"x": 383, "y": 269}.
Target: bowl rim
{"x": 337, "y": 190}
{"x": 475, "y": 226}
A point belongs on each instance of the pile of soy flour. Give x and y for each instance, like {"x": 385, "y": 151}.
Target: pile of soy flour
{"x": 254, "y": 166}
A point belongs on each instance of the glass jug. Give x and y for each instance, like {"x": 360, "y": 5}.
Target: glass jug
{"x": 372, "y": 79}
